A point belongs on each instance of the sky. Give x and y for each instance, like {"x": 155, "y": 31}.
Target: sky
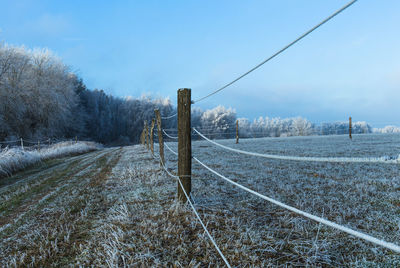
{"x": 348, "y": 67}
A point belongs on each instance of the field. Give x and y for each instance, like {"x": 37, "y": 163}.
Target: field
{"x": 117, "y": 207}
{"x": 364, "y": 197}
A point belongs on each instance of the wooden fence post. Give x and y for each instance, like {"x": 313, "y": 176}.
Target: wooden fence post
{"x": 151, "y": 136}
{"x": 184, "y": 143}
{"x": 160, "y": 136}
{"x": 350, "y": 126}
{"x": 22, "y": 144}
{"x": 142, "y": 137}
{"x": 146, "y": 135}
{"x": 237, "y": 131}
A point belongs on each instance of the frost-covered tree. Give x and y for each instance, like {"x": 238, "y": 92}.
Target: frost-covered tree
{"x": 40, "y": 98}
{"x": 219, "y": 122}
{"x": 36, "y": 93}
{"x": 387, "y": 129}
{"x": 301, "y": 127}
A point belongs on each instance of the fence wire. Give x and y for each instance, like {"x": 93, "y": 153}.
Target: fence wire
{"x": 172, "y": 151}
{"x": 169, "y": 136}
{"x": 281, "y": 50}
{"x": 307, "y": 158}
{"x": 197, "y": 215}
{"x": 169, "y": 117}
{"x": 363, "y": 236}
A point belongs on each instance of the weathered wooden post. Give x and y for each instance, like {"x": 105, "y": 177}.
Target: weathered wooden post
{"x": 142, "y": 137}
{"x": 76, "y": 139}
{"x": 184, "y": 143}
{"x": 350, "y": 128}
{"x": 151, "y": 136}
{"x": 237, "y": 131}
{"x": 160, "y": 136}
{"x": 22, "y": 144}
{"x": 146, "y": 135}
{"x": 38, "y": 143}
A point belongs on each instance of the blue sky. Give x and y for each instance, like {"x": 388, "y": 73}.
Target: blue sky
{"x": 350, "y": 66}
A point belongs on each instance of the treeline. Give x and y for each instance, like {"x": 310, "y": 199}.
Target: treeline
{"x": 221, "y": 123}
{"x": 41, "y": 98}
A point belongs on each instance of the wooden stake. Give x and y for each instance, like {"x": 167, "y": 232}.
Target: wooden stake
{"x": 38, "y": 143}
{"x": 142, "y": 137}
{"x": 237, "y": 131}
{"x": 146, "y": 135}
{"x": 184, "y": 143}
{"x": 151, "y": 136}
{"x": 160, "y": 136}
{"x": 22, "y": 144}
{"x": 350, "y": 126}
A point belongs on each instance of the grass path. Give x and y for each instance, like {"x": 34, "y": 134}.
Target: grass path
{"x": 30, "y": 209}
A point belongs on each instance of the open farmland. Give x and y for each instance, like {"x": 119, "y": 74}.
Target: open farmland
{"x": 361, "y": 196}
{"x": 116, "y": 207}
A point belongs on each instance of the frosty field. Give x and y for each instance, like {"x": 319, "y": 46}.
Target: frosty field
{"x": 117, "y": 207}
{"x": 364, "y": 197}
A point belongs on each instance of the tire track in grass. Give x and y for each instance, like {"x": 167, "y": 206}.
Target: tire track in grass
{"x": 13, "y": 209}
{"x": 43, "y": 183}
{"x": 41, "y": 170}
{"x": 45, "y": 217}
{"x": 94, "y": 203}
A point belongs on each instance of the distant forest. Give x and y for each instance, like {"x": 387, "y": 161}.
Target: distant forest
{"x": 41, "y": 98}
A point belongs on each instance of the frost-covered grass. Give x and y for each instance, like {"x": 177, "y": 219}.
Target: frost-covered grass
{"x": 361, "y": 196}
{"x": 118, "y": 208}
{"x": 15, "y": 159}
{"x": 44, "y": 224}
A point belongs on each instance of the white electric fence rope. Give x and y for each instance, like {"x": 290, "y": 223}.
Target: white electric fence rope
{"x": 171, "y": 137}
{"x": 6, "y": 142}
{"x": 172, "y": 151}
{"x": 204, "y": 227}
{"x": 168, "y": 117}
{"x": 197, "y": 215}
{"x": 307, "y": 158}
{"x": 280, "y": 51}
{"x": 363, "y": 236}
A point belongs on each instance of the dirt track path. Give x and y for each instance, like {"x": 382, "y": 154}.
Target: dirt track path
{"x": 43, "y": 208}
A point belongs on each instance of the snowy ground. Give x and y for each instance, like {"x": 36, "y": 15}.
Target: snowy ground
{"x": 116, "y": 207}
